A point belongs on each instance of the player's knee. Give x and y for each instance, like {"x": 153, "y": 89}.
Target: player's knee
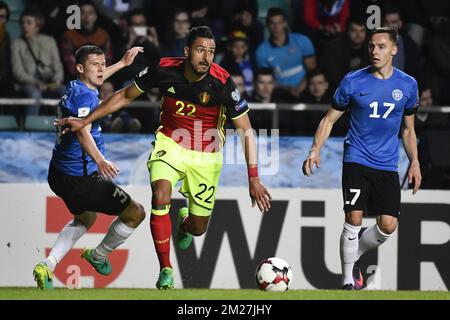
{"x": 198, "y": 227}
{"x": 388, "y": 227}
{"x": 197, "y": 231}
{"x": 160, "y": 196}
{"x": 133, "y": 215}
{"x": 140, "y": 213}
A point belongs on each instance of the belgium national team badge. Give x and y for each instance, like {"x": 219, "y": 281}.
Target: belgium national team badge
{"x": 204, "y": 98}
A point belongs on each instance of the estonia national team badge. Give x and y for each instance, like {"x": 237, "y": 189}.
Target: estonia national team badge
{"x": 397, "y": 94}
{"x": 204, "y": 97}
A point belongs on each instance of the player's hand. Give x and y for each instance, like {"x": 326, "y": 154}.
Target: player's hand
{"x": 414, "y": 174}
{"x": 74, "y": 124}
{"x": 129, "y": 56}
{"x": 259, "y": 194}
{"x": 312, "y": 159}
{"x": 108, "y": 169}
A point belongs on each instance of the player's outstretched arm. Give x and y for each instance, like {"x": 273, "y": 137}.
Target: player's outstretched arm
{"x": 106, "y": 168}
{"x": 258, "y": 193}
{"x": 410, "y": 143}
{"x": 126, "y": 60}
{"x": 320, "y": 137}
{"x": 115, "y": 102}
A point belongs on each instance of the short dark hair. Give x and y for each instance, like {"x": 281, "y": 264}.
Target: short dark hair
{"x": 390, "y": 9}
{"x": 135, "y": 12}
{"x": 82, "y": 3}
{"x": 392, "y": 32}
{"x": 36, "y": 14}
{"x": 198, "y": 32}
{"x": 264, "y": 72}
{"x": 275, "y": 11}
{"x": 358, "y": 20}
{"x": 3, "y": 5}
{"x": 314, "y": 73}
{"x": 84, "y": 51}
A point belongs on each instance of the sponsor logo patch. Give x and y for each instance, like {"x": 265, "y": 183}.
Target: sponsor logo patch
{"x": 83, "y": 112}
{"x": 241, "y": 105}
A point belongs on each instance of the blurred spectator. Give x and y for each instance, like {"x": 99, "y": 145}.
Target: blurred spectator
{"x": 208, "y": 13}
{"x": 317, "y": 89}
{"x": 237, "y": 58}
{"x": 430, "y": 127}
{"x": 290, "y": 55}
{"x": 264, "y": 92}
{"x": 6, "y": 83}
{"x": 238, "y": 80}
{"x": 318, "y": 93}
{"x": 345, "y": 53}
{"x": 439, "y": 60}
{"x": 325, "y": 19}
{"x": 429, "y": 120}
{"x": 36, "y": 65}
{"x": 407, "y": 58}
{"x": 89, "y": 33}
{"x": 54, "y": 13}
{"x": 246, "y": 19}
{"x": 113, "y": 9}
{"x": 121, "y": 121}
{"x": 174, "y": 42}
{"x": 139, "y": 33}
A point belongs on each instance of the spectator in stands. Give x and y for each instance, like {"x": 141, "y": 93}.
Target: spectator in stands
{"x": 345, "y": 53}
{"x": 6, "y": 87}
{"x": 239, "y": 81}
{"x": 317, "y": 89}
{"x": 36, "y": 66}
{"x": 139, "y": 33}
{"x": 265, "y": 92}
{"x": 325, "y": 19}
{"x": 246, "y": 19}
{"x": 237, "y": 58}
{"x": 439, "y": 59}
{"x": 120, "y": 121}
{"x": 89, "y": 33}
{"x": 290, "y": 55}
{"x": 407, "y": 58}
{"x": 173, "y": 45}
{"x": 318, "y": 93}
{"x": 429, "y": 120}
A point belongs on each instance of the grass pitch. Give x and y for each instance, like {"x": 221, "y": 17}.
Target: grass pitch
{"x": 214, "y": 294}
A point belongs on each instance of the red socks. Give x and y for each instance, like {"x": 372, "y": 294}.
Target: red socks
{"x": 161, "y": 228}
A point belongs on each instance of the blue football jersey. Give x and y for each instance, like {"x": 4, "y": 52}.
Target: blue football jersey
{"x": 376, "y": 109}
{"x": 68, "y": 155}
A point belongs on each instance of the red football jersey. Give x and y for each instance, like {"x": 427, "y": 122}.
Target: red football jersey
{"x": 193, "y": 114}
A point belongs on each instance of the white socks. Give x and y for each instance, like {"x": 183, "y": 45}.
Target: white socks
{"x": 349, "y": 249}
{"x": 118, "y": 232}
{"x": 370, "y": 239}
{"x": 67, "y": 238}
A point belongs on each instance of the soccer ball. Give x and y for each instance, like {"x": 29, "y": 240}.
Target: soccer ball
{"x": 273, "y": 274}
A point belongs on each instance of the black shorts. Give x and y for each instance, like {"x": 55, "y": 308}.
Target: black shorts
{"x": 88, "y": 193}
{"x": 374, "y": 191}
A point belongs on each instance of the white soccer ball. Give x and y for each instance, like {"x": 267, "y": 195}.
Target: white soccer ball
{"x": 273, "y": 274}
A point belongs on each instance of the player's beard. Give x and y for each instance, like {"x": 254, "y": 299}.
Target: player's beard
{"x": 200, "y": 70}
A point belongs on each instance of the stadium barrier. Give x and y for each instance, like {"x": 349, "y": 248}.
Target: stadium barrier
{"x": 274, "y": 107}
{"x": 302, "y": 228}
